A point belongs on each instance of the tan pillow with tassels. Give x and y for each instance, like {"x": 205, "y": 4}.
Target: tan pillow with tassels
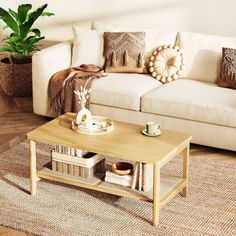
{"x": 124, "y": 52}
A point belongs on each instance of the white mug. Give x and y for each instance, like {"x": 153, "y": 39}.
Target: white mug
{"x": 153, "y": 127}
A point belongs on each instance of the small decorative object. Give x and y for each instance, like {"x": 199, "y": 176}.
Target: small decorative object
{"x": 16, "y": 66}
{"x": 167, "y": 63}
{"x": 100, "y": 125}
{"x": 84, "y": 115}
{"x": 122, "y": 168}
{"x": 152, "y": 129}
{"x": 84, "y": 122}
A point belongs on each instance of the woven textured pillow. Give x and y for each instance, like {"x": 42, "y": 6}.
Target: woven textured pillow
{"x": 228, "y": 68}
{"x": 166, "y": 63}
{"x": 124, "y": 51}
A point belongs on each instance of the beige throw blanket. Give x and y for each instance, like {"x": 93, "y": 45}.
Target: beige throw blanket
{"x": 63, "y": 83}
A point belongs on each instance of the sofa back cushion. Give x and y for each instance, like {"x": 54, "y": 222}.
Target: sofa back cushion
{"x": 203, "y": 55}
{"x": 154, "y": 38}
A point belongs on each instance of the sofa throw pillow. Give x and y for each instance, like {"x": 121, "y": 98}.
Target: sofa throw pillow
{"x": 228, "y": 68}
{"x": 124, "y": 52}
{"x": 166, "y": 63}
{"x": 87, "y": 47}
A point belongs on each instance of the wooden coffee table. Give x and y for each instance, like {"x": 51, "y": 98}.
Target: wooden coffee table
{"x": 125, "y": 142}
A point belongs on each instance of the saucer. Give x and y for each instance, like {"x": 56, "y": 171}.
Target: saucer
{"x": 151, "y": 135}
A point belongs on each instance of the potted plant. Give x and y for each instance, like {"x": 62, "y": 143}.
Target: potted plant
{"x": 16, "y": 65}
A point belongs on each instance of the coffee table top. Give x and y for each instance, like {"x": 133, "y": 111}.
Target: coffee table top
{"x": 125, "y": 141}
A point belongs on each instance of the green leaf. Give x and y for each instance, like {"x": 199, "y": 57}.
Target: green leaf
{"x": 47, "y": 14}
{"x": 23, "y": 11}
{"x": 14, "y": 14}
{"x": 33, "y": 40}
{"x": 10, "y": 46}
{"x": 37, "y": 13}
{"x": 9, "y": 20}
{"x": 32, "y": 17}
{"x": 20, "y": 49}
{"x": 29, "y": 38}
{"x": 6, "y": 49}
{"x": 14, "y": 39}
{"x": 36, "y": 31}
{"x": 12, "y": 35}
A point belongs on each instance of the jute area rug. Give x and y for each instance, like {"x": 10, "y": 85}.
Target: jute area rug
{"x": 59, "y": 209}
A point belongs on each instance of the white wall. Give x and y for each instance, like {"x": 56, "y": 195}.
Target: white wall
{"x": 204, "y": 16}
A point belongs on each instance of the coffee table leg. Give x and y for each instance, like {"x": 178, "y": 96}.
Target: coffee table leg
{"x": 185, "y": 169}
{"x": 156, "y": 194}
{"x": 33, "y": 168}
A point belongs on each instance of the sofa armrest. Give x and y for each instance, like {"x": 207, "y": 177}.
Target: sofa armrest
{"x": 44, "y": 64}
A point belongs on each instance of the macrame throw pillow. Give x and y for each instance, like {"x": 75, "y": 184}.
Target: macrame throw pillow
{"x": 124, "y": 51}
{"x": 166, "y": 63}
{"x": 228, "y": 68}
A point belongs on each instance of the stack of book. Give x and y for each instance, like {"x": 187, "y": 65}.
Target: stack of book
{"x": 125, "y": 180}
{"x": 77, "y": 162}
{"x": 142, "y": 177}
{"x": 70, "y": 151}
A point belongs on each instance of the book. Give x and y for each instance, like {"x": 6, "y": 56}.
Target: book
{"x": 69, "y": 151}
{"x": 72, "y": 152}
{"x": 147, "y": 177}
{"x": 135, "y": 176}
{"x": 121, "y": 177}
{"x": 117, "y": 181}
{"x": 124, "y": 180}
{"x": 140, "y": 182}
{"x": 142, "y": 177}
{"x": 79, "y": 152}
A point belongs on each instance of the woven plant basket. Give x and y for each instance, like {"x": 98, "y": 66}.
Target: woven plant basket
{"x": 15, "y": 79}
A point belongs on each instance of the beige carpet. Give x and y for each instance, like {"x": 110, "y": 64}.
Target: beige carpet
{"x": 62, "y": 210}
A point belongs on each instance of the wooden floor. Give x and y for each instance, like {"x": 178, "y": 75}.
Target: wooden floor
{"x": 17, "y": 118}
{"x": 4, "y": 231}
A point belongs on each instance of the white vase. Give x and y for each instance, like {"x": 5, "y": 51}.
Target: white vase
{"x": 84, "y": 116}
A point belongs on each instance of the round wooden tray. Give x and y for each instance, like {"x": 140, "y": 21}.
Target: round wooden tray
{"x": 97, "y": 120}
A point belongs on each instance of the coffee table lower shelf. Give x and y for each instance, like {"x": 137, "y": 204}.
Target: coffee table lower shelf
{"x": 170, "y": 185}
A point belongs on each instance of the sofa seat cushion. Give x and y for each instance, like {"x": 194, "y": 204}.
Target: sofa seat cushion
{"x": 193, "y": 100}
{"x": 122, "y": 90}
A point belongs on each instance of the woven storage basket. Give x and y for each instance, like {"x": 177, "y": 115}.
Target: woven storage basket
{"x": 15, "y": 79}
{"x": 78, "y": 166}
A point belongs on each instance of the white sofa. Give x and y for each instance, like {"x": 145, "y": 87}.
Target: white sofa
{"x": 192, "y": 104}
